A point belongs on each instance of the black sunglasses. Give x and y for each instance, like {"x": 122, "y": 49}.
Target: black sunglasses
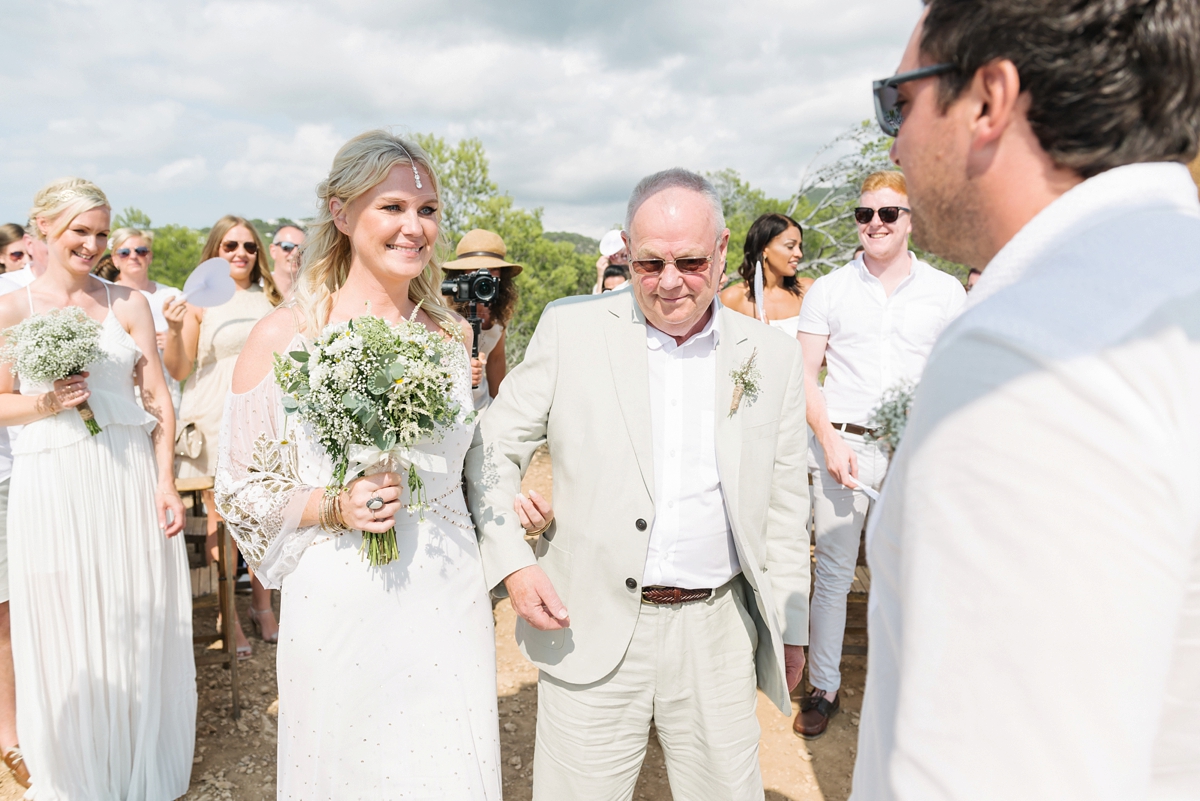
{"x": 231, "y": 246}
{"x": 887, "y": 95}
{"x": 287, "y": 247}
{"x": 142, "y": 251}
{"x": 887, "y": 214}
{"x": 16, "y": 255}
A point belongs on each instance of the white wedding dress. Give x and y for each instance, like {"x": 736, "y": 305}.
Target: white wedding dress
{"x": 387, "y": 676}
{"x": 101, "y": 601}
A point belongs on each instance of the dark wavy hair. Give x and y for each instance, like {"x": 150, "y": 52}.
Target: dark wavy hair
{"x": 764, "y": 229}
{"x": 506, "y": 299}
{"x": 1110, "y": 83}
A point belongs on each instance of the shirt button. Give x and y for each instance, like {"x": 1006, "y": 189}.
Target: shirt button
{"x": 641, "y": 526}
{"x": 631, "y": 583}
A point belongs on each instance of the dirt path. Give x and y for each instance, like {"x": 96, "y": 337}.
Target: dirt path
{"x": 235, "y": 760}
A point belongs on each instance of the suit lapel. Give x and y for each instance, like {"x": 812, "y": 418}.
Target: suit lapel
{"x": 733, "y": 348}
{"x": 626, "y": 336}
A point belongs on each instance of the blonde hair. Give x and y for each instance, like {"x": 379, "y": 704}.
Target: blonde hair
{"x": 64, "y": 200}
{"x": 260, "y": 274}
{"x": 362, "y": 164}
{"x": 122, "y": 235}
{"x": 888, "y": 179}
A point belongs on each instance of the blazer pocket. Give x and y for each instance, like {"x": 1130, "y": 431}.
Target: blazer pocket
{"x": 761, "y": 431}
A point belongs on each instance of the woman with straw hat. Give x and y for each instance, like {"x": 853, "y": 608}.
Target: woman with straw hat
{"x": 485, "y": 250}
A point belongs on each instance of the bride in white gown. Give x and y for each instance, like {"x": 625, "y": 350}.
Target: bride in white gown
{"x": 387, "y": 676}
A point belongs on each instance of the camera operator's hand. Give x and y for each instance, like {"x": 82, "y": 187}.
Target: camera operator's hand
{"x": 477, "y": 366}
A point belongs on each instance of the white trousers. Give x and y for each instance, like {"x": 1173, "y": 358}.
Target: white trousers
{"x": 690, "y": 669}
{"x": 839, "y": 514}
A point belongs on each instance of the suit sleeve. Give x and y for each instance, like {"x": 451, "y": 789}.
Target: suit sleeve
{"x": 787, "y": 516}
{"x": 513, "y": 427}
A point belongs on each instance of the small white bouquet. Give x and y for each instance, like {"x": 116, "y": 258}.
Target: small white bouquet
{"x": 889, "y": 420}
{"x": 371, "y": 390}
{"x": 44, "y": 348}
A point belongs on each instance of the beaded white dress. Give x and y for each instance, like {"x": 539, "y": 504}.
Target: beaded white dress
{"x": 101, "y": 601}
{"x": 387, "y": 676}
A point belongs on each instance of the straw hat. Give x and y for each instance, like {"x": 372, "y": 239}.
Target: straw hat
{"x": 481, "y": 250}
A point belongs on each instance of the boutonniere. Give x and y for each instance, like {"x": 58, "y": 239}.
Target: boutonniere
{"x": 745, "y": 382}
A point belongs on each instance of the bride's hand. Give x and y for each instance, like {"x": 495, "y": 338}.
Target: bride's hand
{"x": 68, "y": 393}
{"x": 355, "y": 514}
{"x": 535, "y": 512}
{"x": 167, "y": 499}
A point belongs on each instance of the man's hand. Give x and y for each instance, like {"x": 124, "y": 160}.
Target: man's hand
{"x": 793, "y": 662}
{"x": 535, "y": 600}
{"x": 840, "y": 459}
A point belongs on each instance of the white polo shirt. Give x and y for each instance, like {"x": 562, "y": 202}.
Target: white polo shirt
{"x": 876, "y": 341}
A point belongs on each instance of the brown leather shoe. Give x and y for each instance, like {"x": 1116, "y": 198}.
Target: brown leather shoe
{"x": 16, "y": 764}
{"x": 815, "y": 712}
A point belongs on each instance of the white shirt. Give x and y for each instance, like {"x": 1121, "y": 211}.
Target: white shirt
{"x": 876, "y": 342}
{"x": 19, "y": 278}
{"x": 1035, "y": 595}
{"x": 691, "y": 543}
{"x": 157, "y": 299}
{"x": 6, "y": 435}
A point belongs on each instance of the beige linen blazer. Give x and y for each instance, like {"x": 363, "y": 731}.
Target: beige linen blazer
{"x": 583, "y": 388}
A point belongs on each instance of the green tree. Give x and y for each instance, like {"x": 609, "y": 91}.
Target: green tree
{"x": 176, "y": 253}
{"x": 464, "y": 179}
{"x": 132, "y": 218}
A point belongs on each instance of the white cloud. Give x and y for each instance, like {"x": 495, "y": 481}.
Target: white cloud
{"x": 209, "y": 106}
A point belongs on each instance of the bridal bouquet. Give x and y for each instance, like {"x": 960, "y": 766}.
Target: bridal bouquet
{"x": 889, "y": 420}
{"x": 45, "y": 348}
{"x": 371, "y": 390}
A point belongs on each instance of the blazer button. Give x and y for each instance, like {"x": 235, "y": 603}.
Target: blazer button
{"x": 641, "y": 524}
{"x": 631, "y": 583}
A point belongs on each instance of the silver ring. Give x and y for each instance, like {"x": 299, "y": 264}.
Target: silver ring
{"x": 375, "y": 504}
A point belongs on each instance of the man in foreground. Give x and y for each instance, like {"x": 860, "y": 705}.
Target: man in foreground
{"x": 677, "y": 545}
{"x": 1035, "y": 609}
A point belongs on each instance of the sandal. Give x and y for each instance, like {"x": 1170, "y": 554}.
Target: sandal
{"x": 16, "y": 766}
{"x": 255, "y": 615}
{"x": 243, "y": 652}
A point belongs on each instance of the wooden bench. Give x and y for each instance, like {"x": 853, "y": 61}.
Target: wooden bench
{"x": 195, "y": 535}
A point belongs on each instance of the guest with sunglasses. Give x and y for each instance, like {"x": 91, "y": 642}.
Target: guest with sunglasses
{"x": 12, "y": 247}
{"x": 132, "y": 253}
{"x": 874, "y": 321}
{"x": 202, "y": 346}
{"x": 285, "y": 255}
{"x": 35, "y": 255}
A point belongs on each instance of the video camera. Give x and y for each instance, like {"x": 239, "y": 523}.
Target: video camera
{"x": 473, "y": 288}
{"x": 477, "y": 287}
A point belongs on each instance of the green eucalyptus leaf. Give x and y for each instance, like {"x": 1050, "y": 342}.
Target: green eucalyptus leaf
{"x": 299, "y": 355}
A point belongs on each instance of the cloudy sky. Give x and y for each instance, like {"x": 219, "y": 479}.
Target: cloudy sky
{"x": 191, "y": 109}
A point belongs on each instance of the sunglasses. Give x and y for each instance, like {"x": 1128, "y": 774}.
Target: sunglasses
{"x": 687, "y": 265}
{"x": 887, "y": 214}
{"x": 16, "y": 255}
{"x": 286, "y": 247}
{"x": 231, "y": 246}
{"x": 124, "y": 252}
{"x": 887, "y": 95}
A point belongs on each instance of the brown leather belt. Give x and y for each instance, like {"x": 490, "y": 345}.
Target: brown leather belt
{"x": 672, "y": 595}
{"x": 851, "y": 428}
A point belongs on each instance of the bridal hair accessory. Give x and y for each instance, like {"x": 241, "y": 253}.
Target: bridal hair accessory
{"x": 412, "y": 163}
{"x": 745, "y": 382}
{"x": 758, "y": 291}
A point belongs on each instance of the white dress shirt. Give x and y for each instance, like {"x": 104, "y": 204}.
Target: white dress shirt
{"x": 1035, "y": 594}
{"x": 875, "y": 341}
{"x": 691, "y": 542}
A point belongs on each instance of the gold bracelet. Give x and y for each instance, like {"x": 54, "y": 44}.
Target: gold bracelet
{"x": 541, "y": 530}
{"x": 329, "y": 513}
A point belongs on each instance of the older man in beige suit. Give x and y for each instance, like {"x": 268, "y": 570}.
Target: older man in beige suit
{"x": 677, "y": 433}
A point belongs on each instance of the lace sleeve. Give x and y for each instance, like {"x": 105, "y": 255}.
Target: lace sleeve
{"x": 258, "y": 486}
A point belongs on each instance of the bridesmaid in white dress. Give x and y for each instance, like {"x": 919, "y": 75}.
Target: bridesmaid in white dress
{"x": 101, "y": 600}
{"x": 773, "y": 250}
{"x": 387, "y": 676}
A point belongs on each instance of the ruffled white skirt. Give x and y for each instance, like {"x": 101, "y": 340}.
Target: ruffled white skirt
{"x": 101, "y": 624}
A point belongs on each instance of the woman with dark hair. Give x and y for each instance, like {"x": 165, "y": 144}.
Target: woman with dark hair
{"x": 770, "y": 289}
{"x": 485, "y": 250}
{"x": 12, "y": 247}
{"x": 202, "y": 346}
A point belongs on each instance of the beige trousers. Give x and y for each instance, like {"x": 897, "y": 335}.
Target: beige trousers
{"x": 690, "y": 669}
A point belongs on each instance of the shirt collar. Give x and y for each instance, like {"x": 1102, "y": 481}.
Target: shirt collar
{"x": 660, "y": 340}
{"x": 1111, "y": 195}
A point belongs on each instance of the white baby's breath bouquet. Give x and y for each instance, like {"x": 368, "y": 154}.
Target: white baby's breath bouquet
{"x": 44, "y": 348}
{"x": 371, "y": 390}
{"x": 890, "y": 419}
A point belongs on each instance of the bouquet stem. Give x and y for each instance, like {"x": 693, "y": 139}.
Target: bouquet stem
{"x": 89, "y": 419}
{"x": 380, "y": 548}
